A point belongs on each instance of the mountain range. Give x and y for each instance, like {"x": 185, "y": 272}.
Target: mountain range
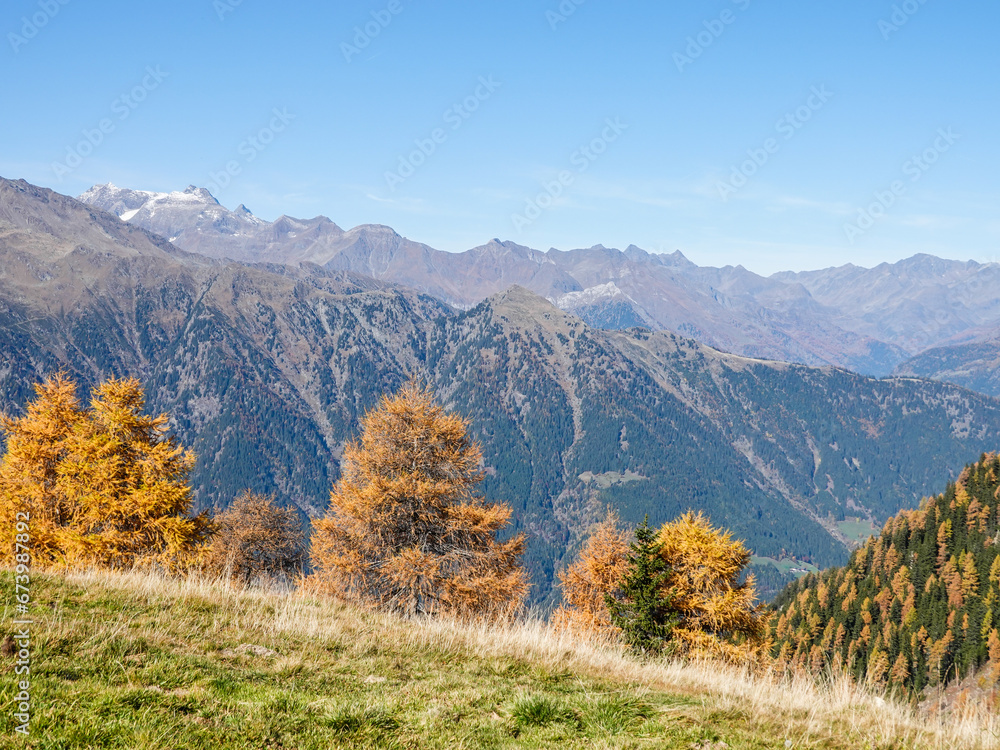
{"x": 265, "y": 368}
{"x": 871, "y": 321}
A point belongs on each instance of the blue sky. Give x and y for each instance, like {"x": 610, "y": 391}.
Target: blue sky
{"x": 322, "y": 108}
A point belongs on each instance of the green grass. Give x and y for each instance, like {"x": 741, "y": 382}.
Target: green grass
{"x": 138, "y": 662}
{"x": 785, "y": 565}
{"x": 611, "y": 478}
{"x": 857, "y": 530}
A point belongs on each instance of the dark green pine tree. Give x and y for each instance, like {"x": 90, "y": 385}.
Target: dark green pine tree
{"x": 641, "y": 608}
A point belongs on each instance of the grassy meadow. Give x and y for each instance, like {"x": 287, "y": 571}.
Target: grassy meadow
{"x": 139, "y": 661}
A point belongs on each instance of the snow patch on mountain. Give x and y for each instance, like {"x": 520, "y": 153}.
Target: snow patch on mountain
{"x": 591, "y": 296}
{"x": 126, "y": 204}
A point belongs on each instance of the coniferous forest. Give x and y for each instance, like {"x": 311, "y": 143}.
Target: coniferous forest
{"x": 918, "y": 605}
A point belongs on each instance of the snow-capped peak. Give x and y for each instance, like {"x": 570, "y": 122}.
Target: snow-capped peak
{"x": 114, "y": 199}
{"x": 127, "y": 204}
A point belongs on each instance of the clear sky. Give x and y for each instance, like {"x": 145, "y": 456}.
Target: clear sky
{"x": 310, "y": 108}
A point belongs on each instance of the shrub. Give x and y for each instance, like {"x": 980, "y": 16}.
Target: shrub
{"x": 256, "y": 538}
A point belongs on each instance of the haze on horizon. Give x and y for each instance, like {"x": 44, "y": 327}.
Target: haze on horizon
{"x": 737, "y": 132}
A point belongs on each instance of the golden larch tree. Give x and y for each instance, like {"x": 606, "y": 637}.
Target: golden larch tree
{"x": 597, "y": 572}
{"x": 127, "y": 479}
{"x": 108, "y": 485}
{"x": 720, "y": 617}
{"x": 29, "y": 470}
{"x": 406, "y": 529}
{"x": 993, "y": 665}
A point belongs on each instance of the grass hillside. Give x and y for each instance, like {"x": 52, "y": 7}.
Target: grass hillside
{"x": 135, "y": 661}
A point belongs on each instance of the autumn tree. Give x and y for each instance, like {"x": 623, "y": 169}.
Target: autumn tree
{"x": 36, "y": 447}
{"x": 597, "y": 572}
{"x": 104, "y": 486}
{"x": 993, "y": 666}
{"x": 916, "y": 606}
{"x": 719, "y": 615}
{"x": 253, "y": 538}
{"x": 406, "y": 529}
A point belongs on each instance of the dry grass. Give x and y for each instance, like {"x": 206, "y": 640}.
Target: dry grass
{"x": 471, "y": 673}
{"x": 812, "y": 711}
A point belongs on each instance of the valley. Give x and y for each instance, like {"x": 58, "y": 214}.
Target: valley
{"x": 267, "y": 367}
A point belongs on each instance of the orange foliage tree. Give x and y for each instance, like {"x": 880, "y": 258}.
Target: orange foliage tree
{"x": 104, "y": 486}
{"x": 719, "y": 615}
{"x": 254, "y": 537}
{"x": 406, "y": 530}
{"x": 36, "y": 446}
{"x": 599, "y": 570}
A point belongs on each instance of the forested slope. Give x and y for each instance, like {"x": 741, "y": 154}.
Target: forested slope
{"x": 919, "y": 604}
{"x": 266, "y": 370}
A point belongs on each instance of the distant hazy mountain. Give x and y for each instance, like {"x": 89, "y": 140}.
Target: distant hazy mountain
{"x": 917, "y": 303}
{"x": 868, "y": 320}
{"x": 975, "y": 365}
{"x": 266, "y": 369}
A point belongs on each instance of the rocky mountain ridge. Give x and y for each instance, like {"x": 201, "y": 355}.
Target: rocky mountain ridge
{"x": 867, "y": 320}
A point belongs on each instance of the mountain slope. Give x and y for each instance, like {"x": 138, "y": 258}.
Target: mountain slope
{"x": 915, "y": 607}
{"x": 136, "y": 661}
{"x": 266, "y": 369}
{"x": 257, "y": 368}
{"x": 650, "y": 422}
{"x": 917, "y": 303}
{"x": 729, "y": 308}
{"x": 974, "y": 365}
{"x": 868, "y": 320}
